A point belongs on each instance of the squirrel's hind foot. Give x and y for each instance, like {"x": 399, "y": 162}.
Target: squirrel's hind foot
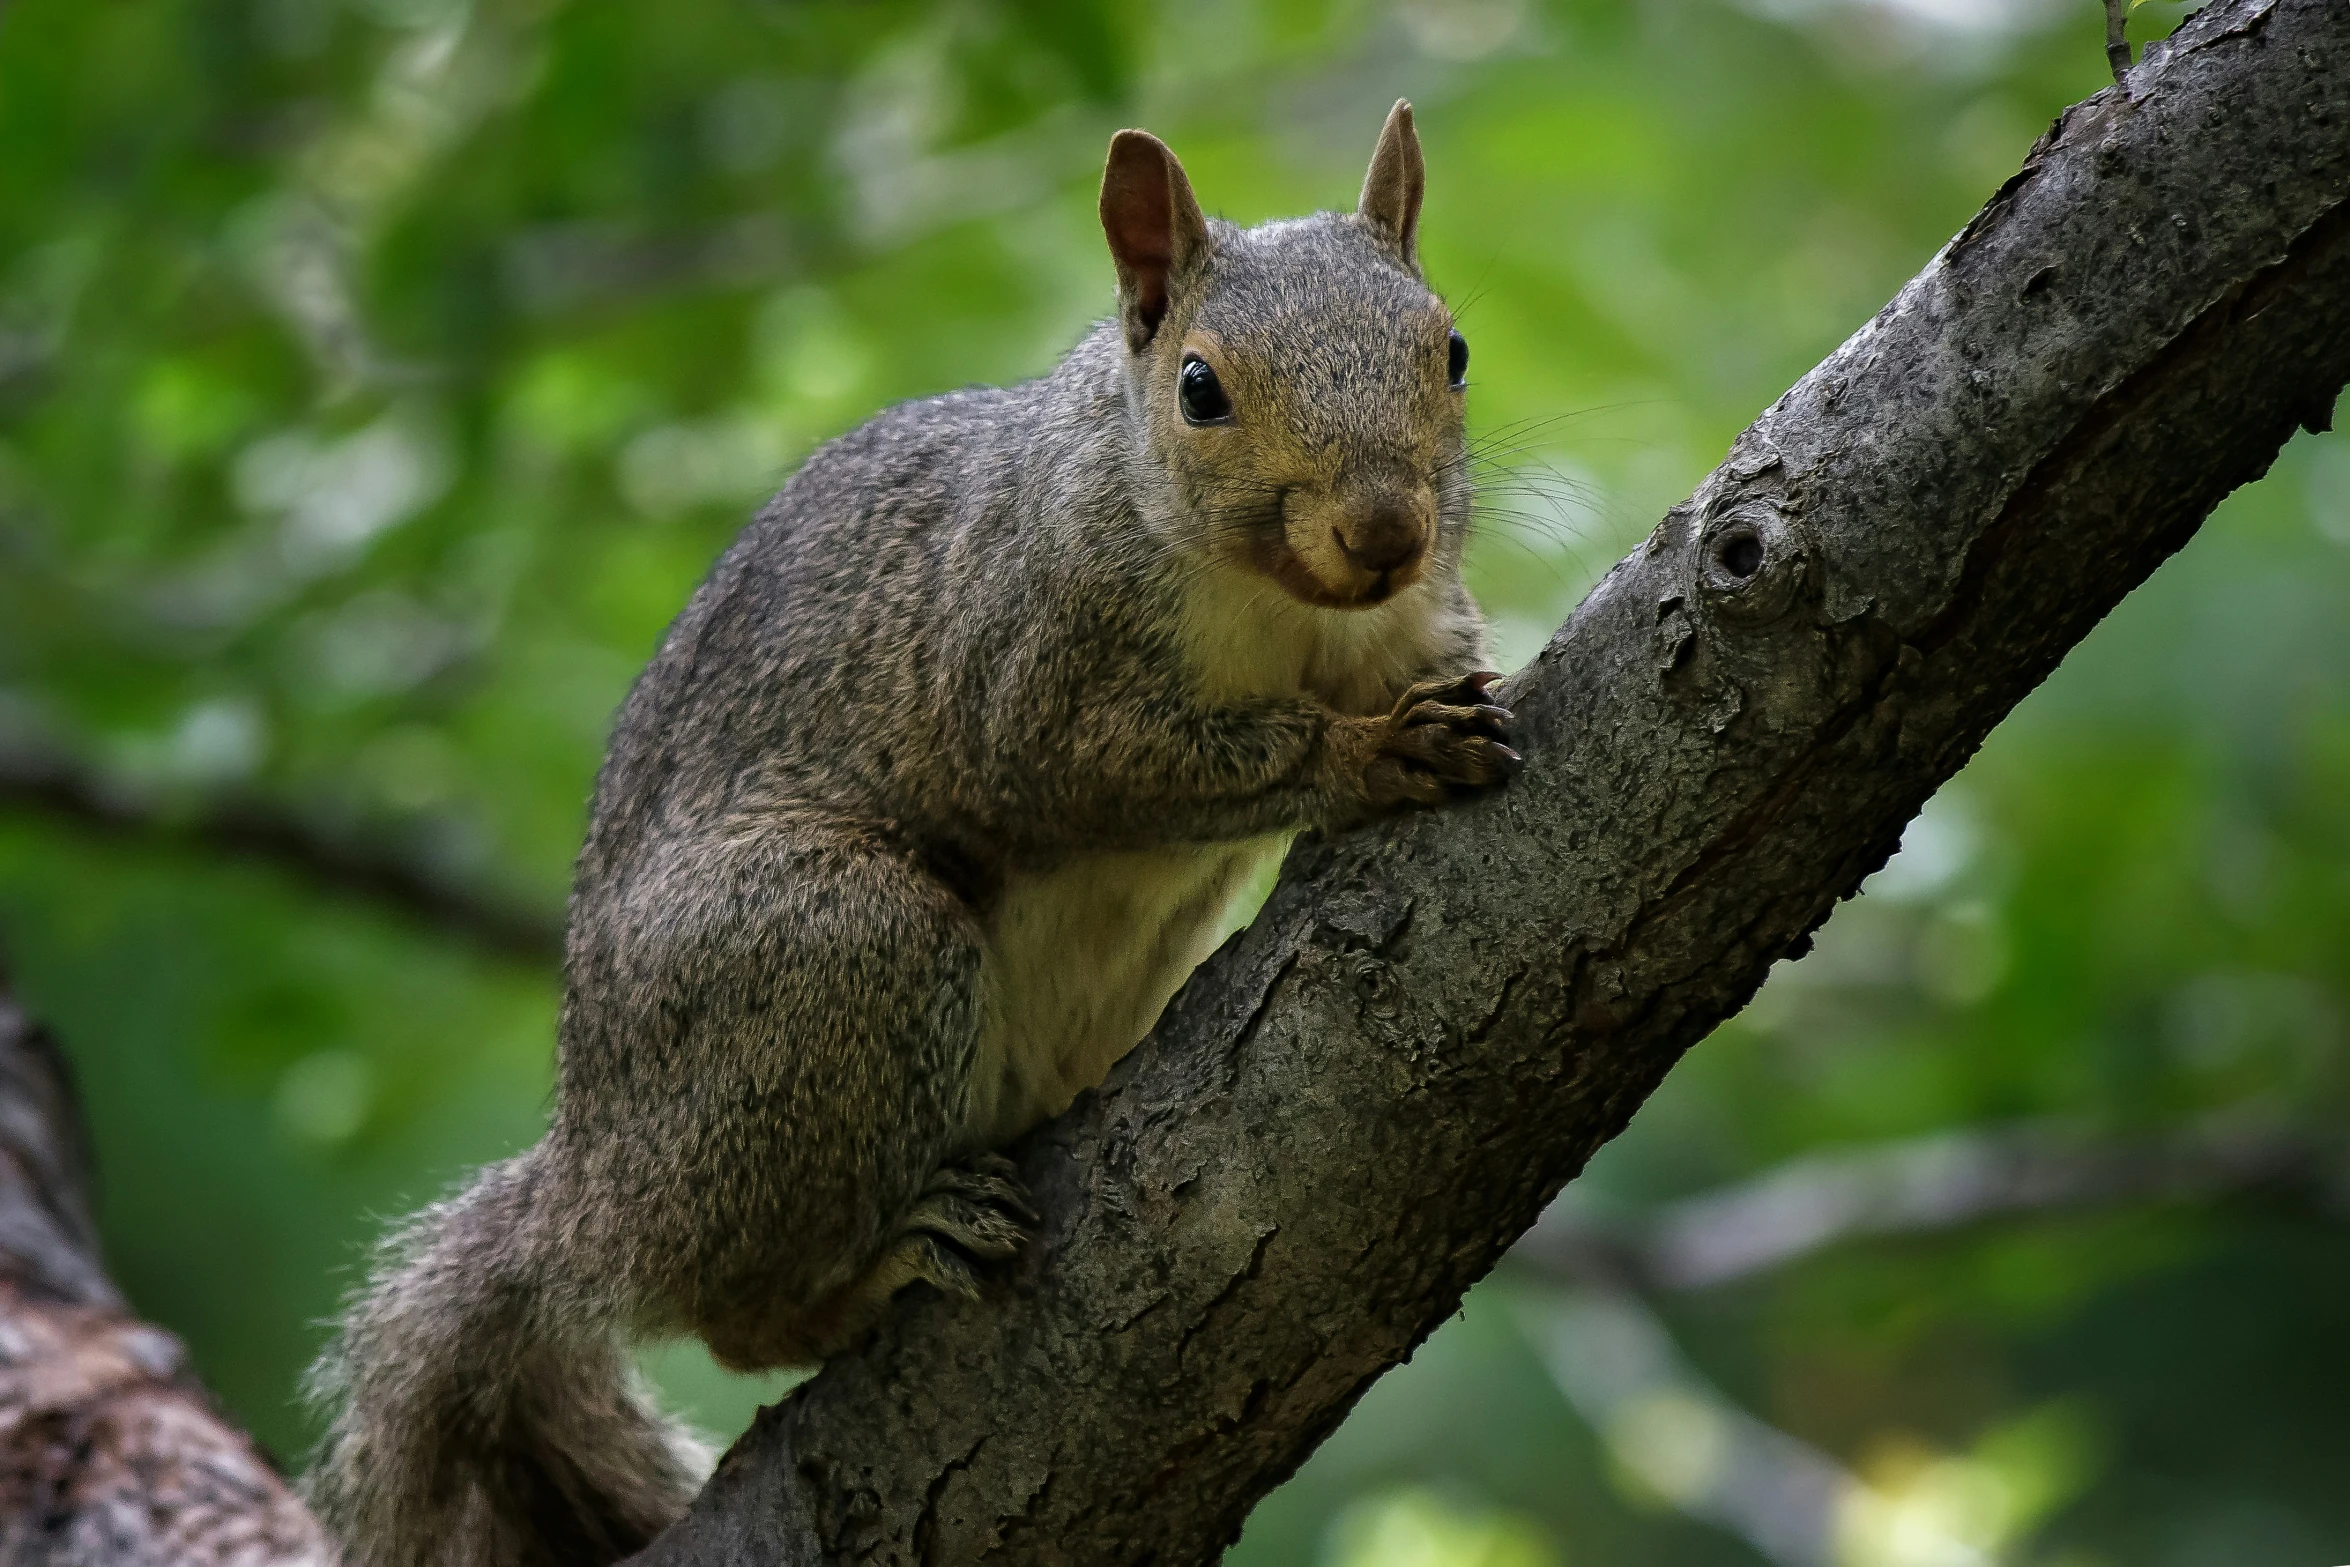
{"x": 987, "y": 1178}
{"x": 971, "y": 1211}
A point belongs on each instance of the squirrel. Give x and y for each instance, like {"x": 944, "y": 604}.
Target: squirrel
{"x": 934, "y": 793}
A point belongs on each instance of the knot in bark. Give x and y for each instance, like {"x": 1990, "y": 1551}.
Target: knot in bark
{"x": 1752, "y": 563}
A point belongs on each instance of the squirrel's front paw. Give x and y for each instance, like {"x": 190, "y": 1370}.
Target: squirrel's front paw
{"x": 1444, "y": 739}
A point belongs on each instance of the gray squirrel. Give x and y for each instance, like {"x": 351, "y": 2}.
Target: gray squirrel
{"x": 939, "y": 787}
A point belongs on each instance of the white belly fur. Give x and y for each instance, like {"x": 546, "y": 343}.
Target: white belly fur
{"x": 1080, "y": 961}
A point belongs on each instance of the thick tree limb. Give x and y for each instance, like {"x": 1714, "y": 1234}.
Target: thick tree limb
{"x": 110, "y": 1453}
{"x": 1347, "y": 1116}
{"x": 375, "y": 865}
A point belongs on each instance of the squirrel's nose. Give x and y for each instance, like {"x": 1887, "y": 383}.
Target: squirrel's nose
{"x": 1383, "y": 536}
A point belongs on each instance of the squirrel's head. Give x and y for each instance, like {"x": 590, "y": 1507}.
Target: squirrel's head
{"x": 1298, "y": 382}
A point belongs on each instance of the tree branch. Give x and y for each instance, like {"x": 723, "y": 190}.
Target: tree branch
{"x": 2117, "y": 38}
{"x": 1918, "y": 1186}
{"x": 111, "y": 1455}
{"x": 1350, "y": 1113}
{"x": 1613, "y": 1359}
{"x": 373, "y": 865}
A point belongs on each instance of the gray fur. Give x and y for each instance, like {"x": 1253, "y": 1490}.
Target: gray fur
{"x": 988, "y": 666}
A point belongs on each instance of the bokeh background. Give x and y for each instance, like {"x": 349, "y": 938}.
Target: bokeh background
{"x": 378, "y": 377}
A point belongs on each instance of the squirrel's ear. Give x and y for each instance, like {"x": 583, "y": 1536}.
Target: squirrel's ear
{"x": 1155, "y": 229}
{"x": 1392, "y": 190}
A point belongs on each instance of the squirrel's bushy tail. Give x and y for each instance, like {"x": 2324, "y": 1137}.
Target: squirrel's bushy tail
{"x": 484, "y": 1411}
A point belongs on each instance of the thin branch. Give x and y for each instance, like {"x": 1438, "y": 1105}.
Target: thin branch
{"x": 380, "y": 866}
{"x": 111, "y": 1454}
{"x": 1921, "y": 1186}
{"x": 1615, "y": 1363}
{"x": 2117, "y": 37}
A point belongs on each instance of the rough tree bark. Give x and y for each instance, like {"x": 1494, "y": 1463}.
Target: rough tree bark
{"x": 111, "y": 1455}
{"x": 1352, "y": 1111}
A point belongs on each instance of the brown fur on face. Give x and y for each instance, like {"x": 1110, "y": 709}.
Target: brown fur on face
{"x": 1339, "y": 474}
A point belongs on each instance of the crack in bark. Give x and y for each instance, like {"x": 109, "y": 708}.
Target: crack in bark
{"x": 926, "y": 1525}
{"x": 1245, "y": 1274}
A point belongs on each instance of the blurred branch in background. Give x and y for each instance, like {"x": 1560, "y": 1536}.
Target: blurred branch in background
{"x": 111, "y": 1453}
{"x": 1674, "y": 1435}
{"x": 386, "y": 866}
{"x": 1921, "y": 1186}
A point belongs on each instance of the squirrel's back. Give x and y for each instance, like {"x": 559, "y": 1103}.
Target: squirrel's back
{"x": 899, "y": 570}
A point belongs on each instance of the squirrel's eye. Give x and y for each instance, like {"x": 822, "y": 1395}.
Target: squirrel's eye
{"x": 1200, "y": 393}
{"x": 1456, "y": 363}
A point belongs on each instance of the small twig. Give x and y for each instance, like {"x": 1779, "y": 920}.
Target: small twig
{"x": 2117, "y": 40}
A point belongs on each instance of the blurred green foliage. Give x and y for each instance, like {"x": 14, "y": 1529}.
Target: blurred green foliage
{"x": 378, "y": 377}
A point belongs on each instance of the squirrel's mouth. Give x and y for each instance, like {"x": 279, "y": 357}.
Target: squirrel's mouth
{"x": 1358, "y": 588}
{"x": 1350, "y": 556}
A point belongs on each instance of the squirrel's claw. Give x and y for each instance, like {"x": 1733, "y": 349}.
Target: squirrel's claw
{"x": 1444, "y": 738}
{"x": 1485, "y": 719}
{"x": 975, "y": 1205}
{"x": 981, "y": 1229}
{"x": 985, "y": 1177}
